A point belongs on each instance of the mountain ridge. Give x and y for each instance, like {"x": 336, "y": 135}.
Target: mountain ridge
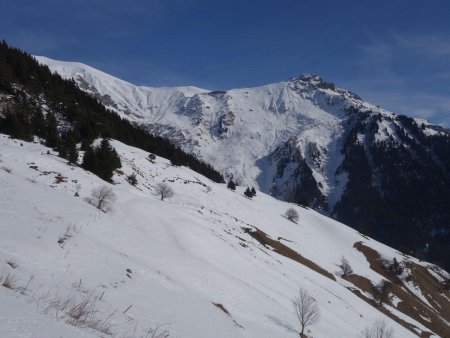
{"x": 302, "y": 140}
{"x": 204, "y": 254}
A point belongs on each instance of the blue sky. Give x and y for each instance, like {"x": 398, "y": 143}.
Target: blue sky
{"x": 392, "y": 53}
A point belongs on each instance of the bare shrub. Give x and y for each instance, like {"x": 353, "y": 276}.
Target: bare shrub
{"x": 306, "y": 309}
{"x": 157, "y": 332}
{"x": 292, "y": 215}
{"x": 381, "y": 291}
{"x": 394, "y": 269}
{"x": 8, "y": 281}
{"x": 163, "y": 190}
{"x": 132, "y": 179}
{"x": 379, "y": 329}
{"x": 102, "y": 198}
{"x": 81, "y": 312}
{"x": 345, "y": 267}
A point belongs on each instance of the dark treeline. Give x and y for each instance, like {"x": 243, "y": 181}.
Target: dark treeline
{"x": 81, "y": 117}
{"x": 398, "y": 191}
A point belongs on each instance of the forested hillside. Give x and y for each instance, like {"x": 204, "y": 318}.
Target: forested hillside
{"x": 36, "y": 102}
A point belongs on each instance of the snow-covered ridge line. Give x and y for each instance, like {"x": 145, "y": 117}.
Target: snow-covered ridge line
{"x": 258, "y": 121}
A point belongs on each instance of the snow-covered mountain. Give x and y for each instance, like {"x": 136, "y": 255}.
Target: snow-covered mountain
{"x": 304, "y": 140}
{"x": 240, "y": 131}
{"x": 207, "y": 262}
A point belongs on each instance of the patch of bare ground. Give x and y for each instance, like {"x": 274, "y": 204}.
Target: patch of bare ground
{"x": 364, "y": 284}
{"x": 220, "y": 306}
{"x": 285, "y": 251}
{"x": 433, "y": 316}
{"x": 224, "y": 310}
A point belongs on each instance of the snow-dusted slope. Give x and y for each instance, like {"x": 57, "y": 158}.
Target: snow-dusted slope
{"x": 169, "y": 262}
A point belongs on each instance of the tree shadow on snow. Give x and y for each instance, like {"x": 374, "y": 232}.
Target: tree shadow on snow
{"x": 285, "y": 325}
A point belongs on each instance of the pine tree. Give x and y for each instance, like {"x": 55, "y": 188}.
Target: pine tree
{"x": 38, "y": 124}
{"x": 253, "y": 191}
{"x": 16, "y": 124}
{"x": 89, "y": 159}
{"x": 101, "y": 160}
{"x": 51, "y": 135}
{"x": 248, "y": 193}
{"x": 71, "y": 147}
{"x": 62, "y": 150}
{"x": 231, "y": 185}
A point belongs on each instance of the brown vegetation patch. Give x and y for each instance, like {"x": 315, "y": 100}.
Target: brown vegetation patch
{"x": 373, "y": 257}
{"x": 285, "y": 251}
{"x": 410, "y": 304}
{"x": 386, "y": 312}
{"x": 60, "y": 179}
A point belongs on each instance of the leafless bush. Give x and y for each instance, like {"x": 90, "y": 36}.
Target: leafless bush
{"x": 292, "y": 215}
{"x": 381, "y": 291}
{"x": 164, "y": 191}
{"x": 80, "y": 312}
{"x": 345, "y": 267}
{"x": 379, "y": 329}
{"x": 157, "y": 332}
{"x": 306, "y": 309}
{"x": 8, "y": 281}
{"x": 132, "y": 179}
{"x": 102, "y": 198}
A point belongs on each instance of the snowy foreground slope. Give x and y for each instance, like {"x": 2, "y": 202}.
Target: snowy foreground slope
{"x": 207, "y": 262}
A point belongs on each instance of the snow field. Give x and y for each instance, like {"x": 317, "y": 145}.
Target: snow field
{"x": 182, "y": 254}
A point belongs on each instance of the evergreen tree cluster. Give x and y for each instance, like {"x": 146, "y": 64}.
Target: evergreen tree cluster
{"x": 250, "y": 193}
{"x": 101, "y": 160}
{"x": 33, "y": 85}
{"x": 398, "y": 189}
{"x": 231, "y": 185}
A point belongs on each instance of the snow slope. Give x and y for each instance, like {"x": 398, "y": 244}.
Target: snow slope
{"x": 151, "y": 262}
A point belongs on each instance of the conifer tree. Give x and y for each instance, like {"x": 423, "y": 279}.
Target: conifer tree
{"x": 253, "y": 191}
{"x": 89, "y": 159}
{"x": 71, "y": 147}
{"x": 51, "y": 135}
{"x": 231, "y": 185}
{"x": 16, "y": 124}
{"x": 102, "y": 160}
{"x": 248, "y": 193}
{"x": 38, "y": 124}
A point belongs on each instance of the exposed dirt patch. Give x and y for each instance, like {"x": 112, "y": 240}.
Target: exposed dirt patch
{"x": 220, "y": 306}
{"x": 285, "y": 251}
{"x": 382, "y": 309}
{"x": 432, "y": 315}
{"x": 224, "y": 310}
{"x": 60, "y": 179}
